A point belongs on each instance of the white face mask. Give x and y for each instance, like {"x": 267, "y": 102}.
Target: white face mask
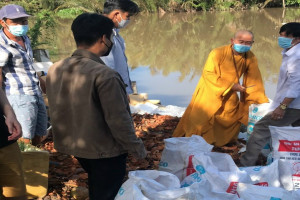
{"x": 123, "y": 22}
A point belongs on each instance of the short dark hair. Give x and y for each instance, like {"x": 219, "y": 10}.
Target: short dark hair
{"x": 88, "y": 28}
{"x": 123, "y": 5}
{"x": 292, "y": 28}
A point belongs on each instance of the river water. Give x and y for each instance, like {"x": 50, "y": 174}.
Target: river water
{"x": 166, "y": 53}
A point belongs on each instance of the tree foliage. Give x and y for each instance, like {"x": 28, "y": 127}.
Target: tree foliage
{"x": 150, "y": 5}
{"x": 47, "y": 12}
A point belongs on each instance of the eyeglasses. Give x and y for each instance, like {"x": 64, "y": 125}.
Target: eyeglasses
{"x": 245, "y": 42}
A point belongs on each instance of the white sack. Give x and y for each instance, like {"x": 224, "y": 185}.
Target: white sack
{"x": 143, "y": 183}
{"x": 257, "y": 112}
{"x": 286, "y": 146}
{"x": 157, "y": 185}
{"x": 273, "y": 175}
{"x": 264, "y": 175}
{"x": 254, "y": 192}
{"x": 197, "y": 191}
{"x": 220, "y": 171}
{"x": 177, "y": 150}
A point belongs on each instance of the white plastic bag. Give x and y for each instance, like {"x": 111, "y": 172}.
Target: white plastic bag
{"x": 220, "y": 171}
{"x": 178, "y": 150}
{"x": 197, "y": 191}
{"x": 157, "y": 185}
{"x": 143, "y": 183}
{"x": 191, "y": 179}
{"x": 286, "y": 146}
{"x": 264, "y": 175}
{"x": 296, "y": 195}
{"x": 257, "y": 112}
{"x": 273, "y": 175}
{"x": 254, "y": 192}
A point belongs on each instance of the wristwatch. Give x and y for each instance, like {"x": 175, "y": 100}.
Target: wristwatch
{"x": 283, "y": 106}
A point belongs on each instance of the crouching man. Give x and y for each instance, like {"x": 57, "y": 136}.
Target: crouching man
{"x": 89, "y": 109}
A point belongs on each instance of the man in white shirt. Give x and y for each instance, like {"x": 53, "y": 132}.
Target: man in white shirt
{"x": 286, "y": 104}
{"x": 119, "y": 11}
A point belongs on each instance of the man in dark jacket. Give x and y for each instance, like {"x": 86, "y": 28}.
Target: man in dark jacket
{"x": 89, "y": 109}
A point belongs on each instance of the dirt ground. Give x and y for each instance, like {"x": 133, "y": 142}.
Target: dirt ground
{"x": 68, "y": 180}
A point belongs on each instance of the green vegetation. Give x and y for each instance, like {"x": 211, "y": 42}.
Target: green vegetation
{"x": 69, "y": 13}
{"x": 47, "y": 13}
{"x": 28, "y": 147}
{"x": 71, "y": 8}
{"x": 43, "y": 25}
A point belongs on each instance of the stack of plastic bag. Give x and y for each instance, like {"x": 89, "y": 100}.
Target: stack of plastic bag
{"x": 190, "y": 171}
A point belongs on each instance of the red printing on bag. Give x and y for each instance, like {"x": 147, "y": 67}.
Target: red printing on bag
{"x": 289, "y": 146}
{"x": 190, "y": 168}
{"x": 263, "y": 184}
{"x": 232, "y": 188}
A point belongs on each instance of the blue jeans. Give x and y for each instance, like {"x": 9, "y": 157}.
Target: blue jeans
{"x": 31, "y": 113}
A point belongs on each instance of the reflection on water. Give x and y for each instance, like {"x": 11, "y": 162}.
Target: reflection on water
{"x": 167, "y": 53}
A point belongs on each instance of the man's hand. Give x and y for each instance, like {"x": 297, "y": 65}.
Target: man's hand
{"x": 238, "y": 88}
{"x": 278, "y": 114}
{"x": 14, "y": 127}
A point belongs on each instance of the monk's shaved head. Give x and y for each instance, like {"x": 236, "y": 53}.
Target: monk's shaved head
{"x": 243, "y": 32}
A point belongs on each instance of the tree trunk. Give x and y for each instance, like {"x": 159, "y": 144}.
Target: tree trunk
{"x": 283, "y": 3}
{"x": 283, "y": 13}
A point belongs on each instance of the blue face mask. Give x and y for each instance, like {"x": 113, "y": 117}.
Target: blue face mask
{"x": 123, "y": 22}
{"x": 18, "y": 30}
{"x": 284, "y": 42}
{"x": 241, "y": 48}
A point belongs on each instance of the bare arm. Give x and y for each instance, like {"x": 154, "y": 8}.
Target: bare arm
{"x": 278, "y": 113}
{"x": 11, "y": 121}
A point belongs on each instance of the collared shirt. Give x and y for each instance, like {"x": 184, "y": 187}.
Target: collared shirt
{"x": 19, "y": 76}
{"x": 117, "y": 59}
{"x": 289, "y": 78}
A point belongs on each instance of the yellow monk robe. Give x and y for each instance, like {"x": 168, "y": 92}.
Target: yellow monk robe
{"x": 215, "y": 111}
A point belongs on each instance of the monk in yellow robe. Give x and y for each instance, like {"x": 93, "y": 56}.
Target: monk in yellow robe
{"x": 216, "y": 111}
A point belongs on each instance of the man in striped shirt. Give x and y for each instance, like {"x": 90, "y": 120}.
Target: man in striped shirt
{"x": 18, "y": 77}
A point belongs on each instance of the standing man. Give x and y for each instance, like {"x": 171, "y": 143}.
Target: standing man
{"x": 286, "y": 104}
{"x": 12, "y": 185}
{"x": 119, "y": 11}
{"x": 18, "y": 77}
{"x": 89, "y": 109}
{"x": 215, "y": 111}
